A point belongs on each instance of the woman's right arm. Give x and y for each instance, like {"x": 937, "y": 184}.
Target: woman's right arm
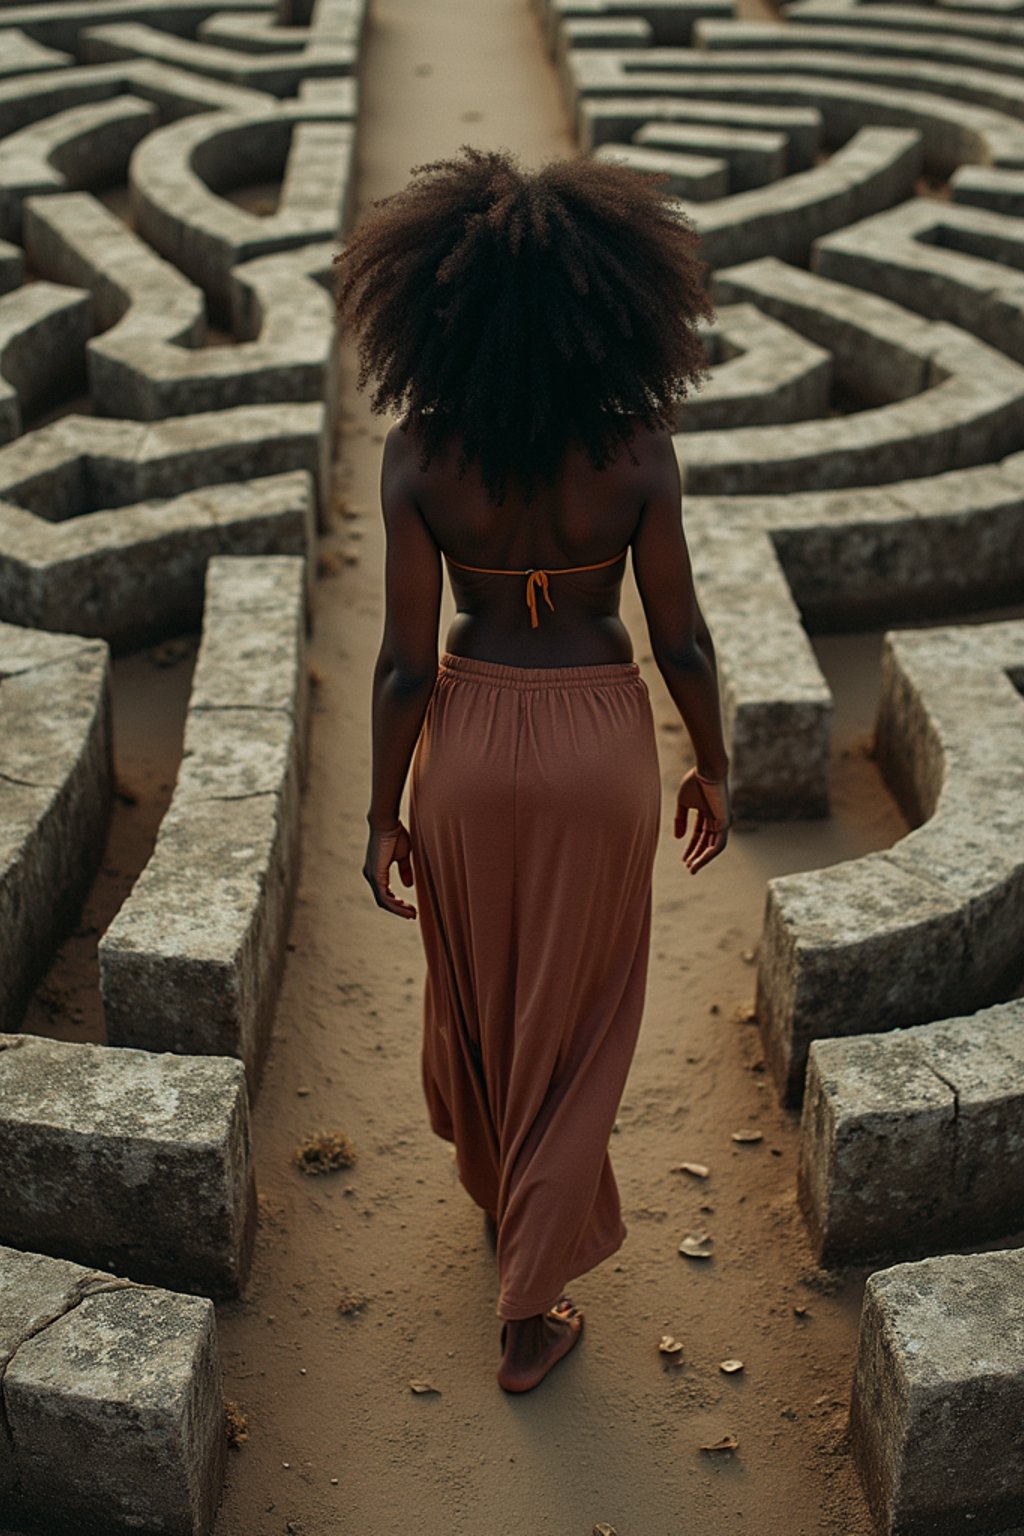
{"x": 682, "y": 649}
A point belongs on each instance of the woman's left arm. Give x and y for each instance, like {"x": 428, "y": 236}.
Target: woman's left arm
{"x": 406, "y": 668}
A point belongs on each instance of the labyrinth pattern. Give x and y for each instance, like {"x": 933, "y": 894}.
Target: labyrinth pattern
{"x": 857, "y": 458}
{"x": 167, "y": 409}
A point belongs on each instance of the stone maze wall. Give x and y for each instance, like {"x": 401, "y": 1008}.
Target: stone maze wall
{"x": 857, "y": 460}
{"x": 167, "y": 400}
{"x": 167, "y": 407}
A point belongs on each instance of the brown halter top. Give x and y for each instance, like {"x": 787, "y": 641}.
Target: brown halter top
{"x": 536, "y": 577}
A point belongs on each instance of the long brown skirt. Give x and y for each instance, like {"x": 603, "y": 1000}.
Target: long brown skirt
{"x": 535, "y": 802}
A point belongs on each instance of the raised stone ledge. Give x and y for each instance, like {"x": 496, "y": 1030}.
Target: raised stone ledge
{"x": 695, "y": 176}
{"x": 612, "y": 32}
{"x": 59, "y": 22}
{"x": 43, "y": 331}
{"x": 947, "y": 260}
{"x": 842, "y": 560}
{"x": 22, "y": 55}
{"x": 80, "y": 147}
{"x": 914, "y": 1139}
{"x": 938, "y": 1396}
{"x": 135, "y": 574}
{"x": 619, "y": 118}
{"x": 111, "y": 1403}
{"x": 878, "y": 166}
{"x": 670, "y": 21}
{"x": 174, "y": 92}
{"x": 12, "y": 266}
{"x": 56, "y": 785}
{"x": 763, "y": 371}
{"x": 278, "y": 74}
{"x": 174, "y": 171}
{"x": 339, "y": 22}
{"x": 983, "y": 187}
{"x": 913, "y": 19}
{"x": 754, "y": 157}
{"x": 193, "y": 961}
{"x": 931, "y": 927}
{"x": 79, "y": 463}
{"x": 956, "y": 51}
{"x": 136, "y": 1161}
{"x": 952, "y": 131}
{"x": 149, "y": 362}
{"x": 937, "y": 397}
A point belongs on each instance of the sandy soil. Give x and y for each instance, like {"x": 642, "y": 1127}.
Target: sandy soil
{"x": 337, "y": 1443}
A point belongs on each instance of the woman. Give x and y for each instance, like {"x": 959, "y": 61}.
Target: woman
{"x": 536, "y": 332}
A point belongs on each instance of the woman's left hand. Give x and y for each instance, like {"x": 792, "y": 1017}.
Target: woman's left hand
{"x": 383, "y": 850}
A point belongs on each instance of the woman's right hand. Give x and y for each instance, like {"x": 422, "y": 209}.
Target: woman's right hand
{"x": 712, "y": 805}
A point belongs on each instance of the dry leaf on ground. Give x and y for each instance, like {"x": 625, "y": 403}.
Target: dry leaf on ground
{"x": 730, "y": 1367}
{"x": 748, "y": 1135}
{"x": 727, "y": 1443}
{"x": 420, "y": 1386}
{"x": 696, "y": 1245}
{"x": 605, "y": 1530}
{"x": 699, "y": 1170}
{"x": 668, "y": 1345}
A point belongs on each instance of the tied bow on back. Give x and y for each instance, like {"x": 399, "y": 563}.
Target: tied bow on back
{"x": 535, "y": 579}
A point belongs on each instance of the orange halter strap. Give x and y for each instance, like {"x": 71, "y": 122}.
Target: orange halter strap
{"x": 536, "y": 577}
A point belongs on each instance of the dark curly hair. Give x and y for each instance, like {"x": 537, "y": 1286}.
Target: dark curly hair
{"x": 525, "y": 309}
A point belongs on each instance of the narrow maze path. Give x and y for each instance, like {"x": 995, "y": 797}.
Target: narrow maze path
{"x": 337, "y": 1441}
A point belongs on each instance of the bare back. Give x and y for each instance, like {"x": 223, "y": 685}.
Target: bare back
{"x": 583, "y": 517}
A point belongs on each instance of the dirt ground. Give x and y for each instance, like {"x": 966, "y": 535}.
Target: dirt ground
{"x": 338, "y": 1444}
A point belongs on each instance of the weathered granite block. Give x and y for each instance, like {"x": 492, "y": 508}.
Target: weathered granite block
{"x": 754, "y": 156}
{"x": 12, "y": 266}
{"x": 624, "y": 117}
{"x": 56, "y": 783}
{"x": 689, "y": 175}
{"x": 941, "y": 259}
{"x": 112, "y": 1400}
{"x": 177, "y": 173}
{"x": 937, "y": 1410}
{"x": 776, "y": 706}
{"x": 860, "y": 945}
{"x": 914, "y": 1138}
{"x": 959, "y": 113}
{"x": 279, "y": 73}
{"x": 84, "y": 146}
{"x": 43, "y": 331}
{"x": 193, "y": 960}
{"x": 950, "y": 736}
{"x": 136, "y": 573}
{"x": 987, "y": 186}
{"x": 58, "y": 22}
{"x": 764, "y": 371}
{"x": 138, "y": 1161}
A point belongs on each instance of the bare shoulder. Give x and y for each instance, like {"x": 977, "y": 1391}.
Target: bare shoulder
{"x": 654, "y": 450}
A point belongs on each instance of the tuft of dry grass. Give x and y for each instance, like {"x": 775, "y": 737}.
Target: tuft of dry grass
{"x": 324, "y": 1151}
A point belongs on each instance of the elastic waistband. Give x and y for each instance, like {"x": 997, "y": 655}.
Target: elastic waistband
{"x": 496, "y": 672}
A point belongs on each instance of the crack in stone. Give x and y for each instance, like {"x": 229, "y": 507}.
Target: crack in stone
{"x": 93, "y": 1284}
{"x": 954, "y": 1090}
